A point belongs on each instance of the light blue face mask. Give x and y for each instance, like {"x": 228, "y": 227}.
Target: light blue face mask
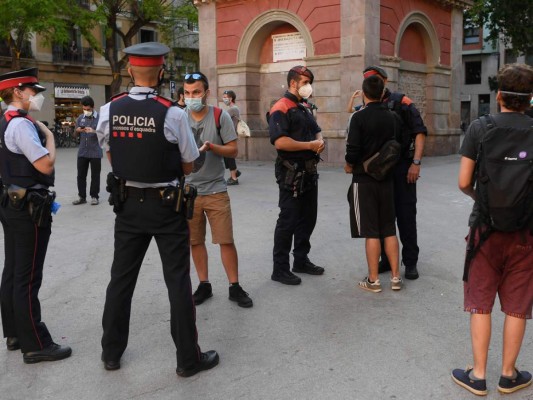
{"x": 194, "y": 104}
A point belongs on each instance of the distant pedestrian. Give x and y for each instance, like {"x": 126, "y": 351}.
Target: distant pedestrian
{"x": 181, "y": 99}
{"x": 229, "y": 98}
{"x": 89, "y": 153}
{"x": 497, "y": 154}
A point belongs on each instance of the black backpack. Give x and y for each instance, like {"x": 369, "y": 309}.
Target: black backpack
{"x": 394, "y": 103}
{"x": 503, "y": 181}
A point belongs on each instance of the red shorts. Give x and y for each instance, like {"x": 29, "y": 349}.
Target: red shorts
{"x": 503, "y": 265}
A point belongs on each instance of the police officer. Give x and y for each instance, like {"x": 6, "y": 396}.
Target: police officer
{"x": 27, "y": 157}
{"x": 298, "y": 141}
{"x": 150, "y": 146}
{"x": 406, "y": 174}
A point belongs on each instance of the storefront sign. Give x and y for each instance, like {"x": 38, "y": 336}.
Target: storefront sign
{"x": 288, "y": 46}
{"x": 71, "y": 91}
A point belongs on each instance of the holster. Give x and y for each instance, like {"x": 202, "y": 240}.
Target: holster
{"x": 17, "y": 196}
{"x": 296, "y": 177}
{"x": 117, "y": 189}
{"x": 189, "y": 193}
{"x": 40, "y": 207}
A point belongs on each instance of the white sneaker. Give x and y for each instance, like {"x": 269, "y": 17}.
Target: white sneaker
{"x": 94, "y": 201}
{"x": 396, "y": 283}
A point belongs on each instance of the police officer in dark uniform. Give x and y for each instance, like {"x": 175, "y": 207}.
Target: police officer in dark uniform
{"x": 298, "y": 141}
{"x": 27, "y": 157}
{"x": 150, "y": 146}
{"x": 406, "y": 174}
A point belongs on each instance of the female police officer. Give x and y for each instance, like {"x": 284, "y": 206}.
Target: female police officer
{"x": 27, "y": 156}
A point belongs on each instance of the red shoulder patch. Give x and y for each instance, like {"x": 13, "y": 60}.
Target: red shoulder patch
{"x": 9, "y": 115}
{"x": 283, "y": 105}
{"x": 119, "y": 96}
{"x": 406, "y": 100}
{"x": 166, "y": 102}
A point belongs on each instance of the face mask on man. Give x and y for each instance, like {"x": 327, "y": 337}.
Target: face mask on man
{"x": 36, "y": 102}
{"x": 87, "y": 113}
{"x": 194, "y": 104}
{"x": 305, "y": 91}
{"x": 226, "y": 101}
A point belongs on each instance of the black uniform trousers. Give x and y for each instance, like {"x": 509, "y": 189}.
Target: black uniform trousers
{"x": 405, "y": 205}
{"x": 83, "y": 168}
{"x": 25, "y": 248}
{"x": 135, "y": 225}
{"x": 297, "y": 219}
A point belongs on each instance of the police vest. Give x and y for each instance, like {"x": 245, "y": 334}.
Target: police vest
{"x": 15, "y": 168}
{"x": 139, "y": 150}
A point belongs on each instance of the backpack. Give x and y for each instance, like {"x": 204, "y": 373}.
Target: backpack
{"x": 504, "y": 176}
{"x": 394, "y": 103}
{"x": 503, "y": 182}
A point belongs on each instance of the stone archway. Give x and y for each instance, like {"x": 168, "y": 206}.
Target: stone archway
{"x": 257, "y": 32}
{"x": 424, "y": 79}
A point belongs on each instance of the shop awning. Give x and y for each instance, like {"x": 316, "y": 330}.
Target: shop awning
{"x": 66, "y": 91}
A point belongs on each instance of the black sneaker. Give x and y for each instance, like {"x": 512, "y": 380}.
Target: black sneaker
{"x": 508, "y": 385}
{"x": 383, "y": 266}
{"x": 12, "y": 343}
{"x": 462, "y": 378}
{"x": 208, "y": 360}
{"x": 307, "y": 267}
{"x": 203, "y": 292}
{"x": 286, "y": 277}
{"x": 236, "y": 293}
{"x": 79, "y": 201}
{"x": 411, "y": 273}
{"x": 54, "y": 352}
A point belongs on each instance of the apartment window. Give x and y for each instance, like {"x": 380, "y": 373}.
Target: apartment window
{"x": 147, "y": 35}
{"x": 484, "y": 104}
{"x": 510, "y": 57}
{"x": 473, "y": 73}
{"x": 192, "y": 26}
{"x": 471, "y": 32}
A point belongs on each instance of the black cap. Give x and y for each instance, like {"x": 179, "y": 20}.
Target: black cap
{"x": 148, "y": 54}
{"x": 373, "y": 70}
{"x": 20, "y": 79}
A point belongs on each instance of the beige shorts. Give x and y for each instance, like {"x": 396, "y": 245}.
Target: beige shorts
{"x": 216, "y": 207}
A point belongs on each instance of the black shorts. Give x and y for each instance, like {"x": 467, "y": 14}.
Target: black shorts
{"x": 372, "y": 209}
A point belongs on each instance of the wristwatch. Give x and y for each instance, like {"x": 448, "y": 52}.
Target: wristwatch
{"x": 417, "y": 162}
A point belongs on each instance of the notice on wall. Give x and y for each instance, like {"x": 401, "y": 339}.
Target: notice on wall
{"x": 288, "y": 46}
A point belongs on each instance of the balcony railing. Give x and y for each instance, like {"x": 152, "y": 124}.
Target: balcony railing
{"x": 5, "y": 51}
{"x": 82, "y": 56}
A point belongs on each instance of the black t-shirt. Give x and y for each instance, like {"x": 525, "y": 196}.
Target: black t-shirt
{"x": 369, "y": 129}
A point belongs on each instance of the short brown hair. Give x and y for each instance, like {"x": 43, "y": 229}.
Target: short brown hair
{"x": 7, "y": 95}
{"x": 517, "y": 79}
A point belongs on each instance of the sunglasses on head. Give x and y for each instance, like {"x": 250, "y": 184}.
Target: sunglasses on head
{"x": 193, "y": 76}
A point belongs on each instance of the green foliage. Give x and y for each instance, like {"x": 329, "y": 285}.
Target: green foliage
{"x": 510, "y": 19}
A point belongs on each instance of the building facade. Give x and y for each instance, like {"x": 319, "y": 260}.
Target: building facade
{"x": 249, "y": 45}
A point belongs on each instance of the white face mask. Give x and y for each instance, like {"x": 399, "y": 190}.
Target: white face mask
{"x": 36, "y": 102}
{"x": 226, "y": 101}
{"x": 305, "y": 91}
{"x": 87, "y": 113}
{"x": 194, "y": 104}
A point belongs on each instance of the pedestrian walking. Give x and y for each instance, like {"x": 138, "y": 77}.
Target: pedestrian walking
{"x": 229, "y": 97}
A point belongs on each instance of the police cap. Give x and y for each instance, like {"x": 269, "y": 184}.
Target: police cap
{"x": 148, "y": 54}
{"x": 21, "y": 79}
{"x": 373, "y": 70}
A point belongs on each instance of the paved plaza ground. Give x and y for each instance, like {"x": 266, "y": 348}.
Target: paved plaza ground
{"x": 324, "y": 339}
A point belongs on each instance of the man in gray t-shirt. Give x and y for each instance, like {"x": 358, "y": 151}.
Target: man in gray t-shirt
{"x": 212, "y": 203}
{"x": 228, "y": 98}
